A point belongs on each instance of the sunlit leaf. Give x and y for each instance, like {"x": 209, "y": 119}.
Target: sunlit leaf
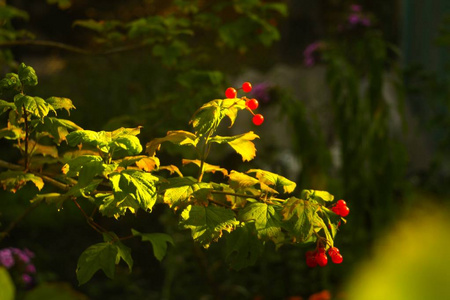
{"x": 57, "y": 128}
{"x": 280, "y": 183}
{"x": 51, "y": 198}
{"x": 207, "y": 223}
{"x": 207, "y": 167}
{"x": 5, "y": 106}
{"x": 179, "y": 137}
{"x": 34, "y": 105}
{"x": 8, "y": 290}
{"x": 27, "y": 75}
{"x": 14, "y": 180}
{"x": 267, "y": 221}
{"x": 61, "y": 103}
{"x": 321, "y": 196}
{"x": 240, "y": 180}
{"x": 298, "y": 217}
{"x": 242, "y": 144}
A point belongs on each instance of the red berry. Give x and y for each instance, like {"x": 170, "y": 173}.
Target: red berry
{"x": 252, "y": 104}
{"x": 344, "y": 211}
{"x": 258, "y": 119}
{"x": 335, "y": 209}
{"x": 321, "y": 259}
{"x": 332, "y": 251}
{"x": 247, "y": 87}
{"x": 309, "y": 253}
{"x": 230, "y": 93}
{"x": 341, "y": 203}
{"x": 337, "y": 258}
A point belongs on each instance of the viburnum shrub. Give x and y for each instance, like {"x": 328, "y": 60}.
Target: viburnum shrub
{"x": 112, "y": 174}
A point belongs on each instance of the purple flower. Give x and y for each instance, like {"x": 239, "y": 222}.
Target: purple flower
{"x": 21, "y": 255}
{"x": 261, "y": 92}
{"x": 353, "y": 19}
{"x": 355, "y": 7}
{"x": 30, "y": 269}
{"x": 29, "y": 253}
{"x": 6, "y": 258}
{"x": 308, "y": 53}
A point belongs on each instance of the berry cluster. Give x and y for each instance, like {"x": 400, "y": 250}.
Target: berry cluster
{"x": 341, "y": 208}
{"x": 319, "y": 257}
{"x": 251, "y": 104}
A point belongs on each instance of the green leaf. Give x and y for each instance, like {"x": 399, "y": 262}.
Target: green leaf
{"x": 99, "y": 256}
{"x": 320, "y": 196}
{"x": 11, "y": 82}
{"x": 123, "y": 252}
{"x": 242, "y": 144}
{"x": 178, "y": 137}
{"x": 243, "y": 247}
{"x": 180, "y": 190}
{"x": 14, "y": 180}
{"x": 280, "y": 183}
{"x": 111, "y": 206}
{"x": 207, "y": 118}
{"x": 207, "y": 223}
{"x": 207, "y": 167}
{"x": 5, "y": 106}
{"x": 120, "y": 143}
{"x": 267, "y": 221}
{"x": 51, "y": 198}
{"x": 98, "y": 26}
{"x": 8, "y": 290}
{"x": 34, "y": 105}
{"x": 27, "y": 75}
{"x": 61, "y": 103}
{"x": 159, "y": 242}
{"x": 138, "y": 185}
{"x": 298, "y": 216}
{"x": 57, "y": 128}
{"x": 12, "y": 133}
{"x": 8, "y": 12}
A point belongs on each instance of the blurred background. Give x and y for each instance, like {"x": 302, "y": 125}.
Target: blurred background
{"x": 356, "y": 101}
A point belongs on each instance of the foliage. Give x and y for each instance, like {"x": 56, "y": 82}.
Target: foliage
{"x": 107, "y": 172}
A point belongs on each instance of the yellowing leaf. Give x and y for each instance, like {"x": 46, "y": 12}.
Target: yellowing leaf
{"x": 61, "y": 103}
{"x": 207, "y": 167}
{"x": 148, "y": 163}
{"x": 14, "y": 180}
{"x": 298, "y": 216}
{"x": 242, "y": 144}
{"x": 179, "y": 137}
{"x": 280, "y": 183}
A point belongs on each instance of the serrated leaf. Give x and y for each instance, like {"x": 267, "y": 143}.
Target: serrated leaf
{"x": 14, "y": 180}
{"x": 44, "y": 150}
{"x": 280, "y": 183}
{"x": 207, "y": 167}
{"x": 207, "y": 223}
{"x": 321, "y": 196}
{"x": 298, "y": 217}
{"x": 223, "y": 193}
{"x": 137, "y": 185}
{"x": 61, "y": 103}
{"x": 5, "y": 106}
{"x": 242, "y": 144}
{"x": 111, "y": 206}
{"x": 159, "y": 242}
{"x": 267, "y": 221}
{"x": 178, "y": 137}
{"x": 34, "y": 105}
{"x": 207, "y": 118}
{"x": 240, "y": 180}
{"x": 172, "y": 169}
{"x": 120, "y": 143}
{"x": 27, "y": 75}
{"x": 243, "y": 247}
{"x": 123, "y": 252}
{"x": 148, "y": 164}
{"x": 177, "y": 190}
{"x": 101, "y": 256}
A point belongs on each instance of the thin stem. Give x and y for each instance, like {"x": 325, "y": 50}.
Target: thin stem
{"x": 26, "y": 137}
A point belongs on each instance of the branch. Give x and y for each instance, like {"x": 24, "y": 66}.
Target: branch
{"x": 17, "y": 220}
{"x": 69, "y": 48}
